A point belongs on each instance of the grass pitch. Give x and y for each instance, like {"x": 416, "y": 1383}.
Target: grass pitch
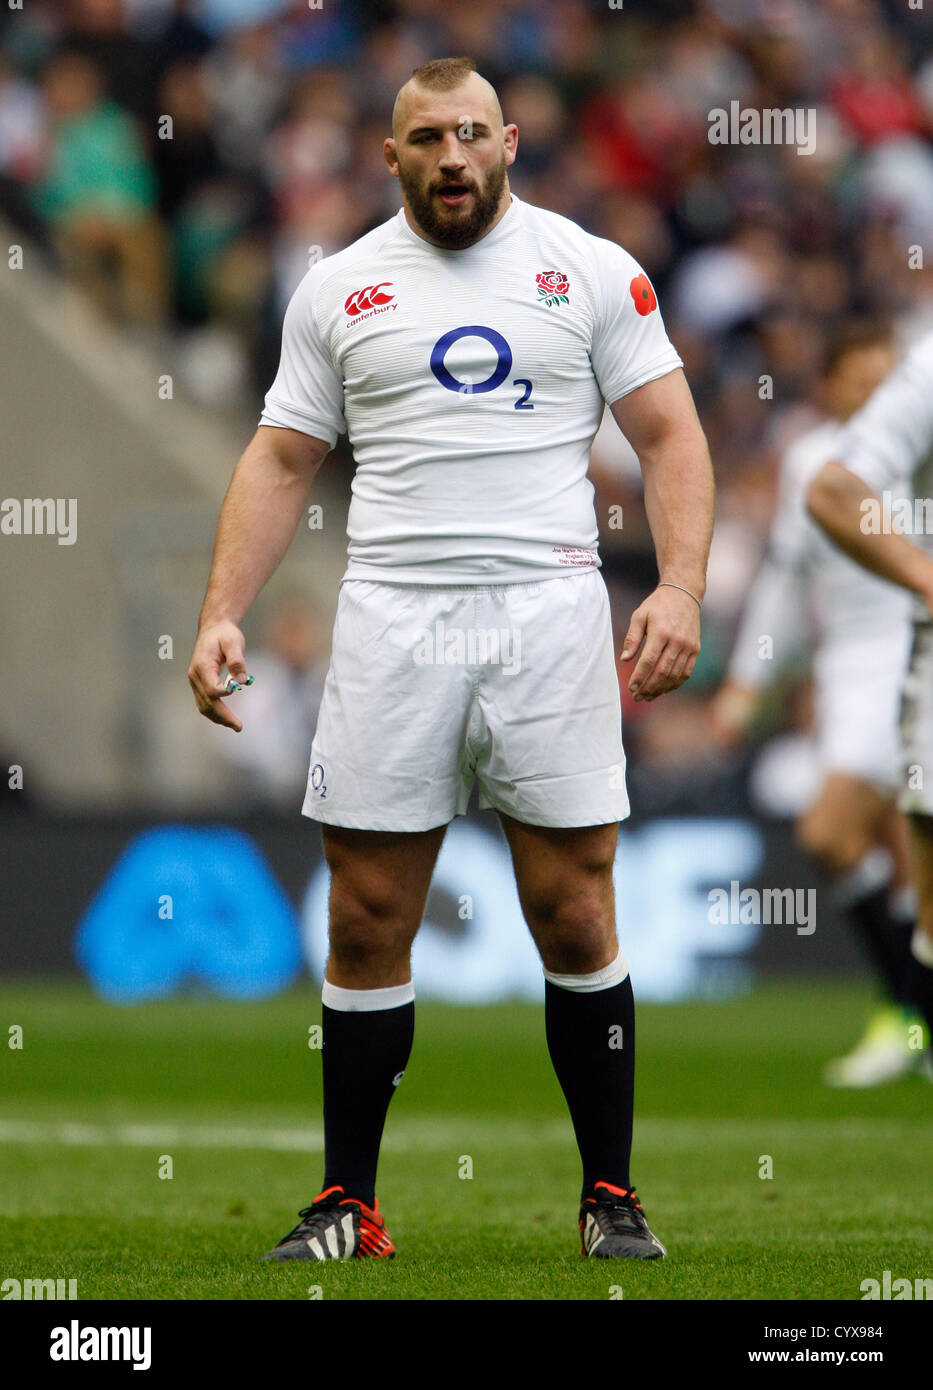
{"x": 99, "y": 1097}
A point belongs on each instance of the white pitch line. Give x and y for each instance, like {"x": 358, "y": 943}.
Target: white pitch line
{"x": 420, "y": 1134}
{"x": 424, "y": 1133}
{"x": 147, "y": 1136}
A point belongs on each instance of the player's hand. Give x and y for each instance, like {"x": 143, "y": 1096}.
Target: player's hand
{"x": 218, "y": 645}
{"x": 668, "y": 624}
{"x": 730, "y": 713}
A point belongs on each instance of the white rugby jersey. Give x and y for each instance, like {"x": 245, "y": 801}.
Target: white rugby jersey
{"x": 891, "y": 437}
{"x": 470, "y": 384}
{"x": 806, "y": 583}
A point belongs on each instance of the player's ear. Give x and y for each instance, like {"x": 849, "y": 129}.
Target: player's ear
{"x": 391, "y": 155}
{"x": 510, "y": 133}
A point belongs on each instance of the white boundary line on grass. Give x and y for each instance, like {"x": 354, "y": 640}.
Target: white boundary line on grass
{"x": 424, "y": 1133}
{"x": 418, "y": 1133}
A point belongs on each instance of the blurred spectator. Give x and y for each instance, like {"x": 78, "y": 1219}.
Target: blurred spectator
{"x": 190, "y": 158}
{"x": 873, "y": 94}
{"x": 181, "y": 35}
{"x": 97, "y": 191}
{"x": 22, "y": 141}
{"x": 22, "y": 125}
{"x": 129, "y": 65}
{"x": 248, "y": 93}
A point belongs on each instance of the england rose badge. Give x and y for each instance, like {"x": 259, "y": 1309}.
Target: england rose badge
{"x": 553, "y": 287}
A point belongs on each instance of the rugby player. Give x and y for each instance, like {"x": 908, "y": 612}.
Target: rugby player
{"x": 855, "y": 498}
{"x": 861, "y": 626}
{"x": 467, "y": 347}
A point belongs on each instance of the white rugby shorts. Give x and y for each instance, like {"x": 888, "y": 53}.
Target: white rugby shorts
{"x": 858, "y": 698}
{"x": 431, "y": 688}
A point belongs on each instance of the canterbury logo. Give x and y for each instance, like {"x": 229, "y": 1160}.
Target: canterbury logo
{"x": 369, "y": 298}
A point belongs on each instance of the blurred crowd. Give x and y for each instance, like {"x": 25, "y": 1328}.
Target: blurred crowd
{"x": 277, "y": 110}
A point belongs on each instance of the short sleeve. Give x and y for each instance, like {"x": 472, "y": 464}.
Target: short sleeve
{"x": 307, "y": 393}
{"x": 630, "y": 343}
{"x": 887, "y": 440}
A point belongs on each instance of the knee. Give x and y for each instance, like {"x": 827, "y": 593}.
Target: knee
{"x": 837, "y": 850}
{"x": 366, "y": 923}
{"x": 574, "y": 932}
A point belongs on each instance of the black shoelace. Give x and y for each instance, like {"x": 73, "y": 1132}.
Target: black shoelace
{"x": 622, "y": 1214}
{"x": 313, "y": 1219}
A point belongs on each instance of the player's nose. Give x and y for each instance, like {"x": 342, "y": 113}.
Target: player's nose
{"x": 452, "y": 156}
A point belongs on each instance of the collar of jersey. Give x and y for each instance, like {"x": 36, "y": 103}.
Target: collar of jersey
{"x": 502, "y": 228}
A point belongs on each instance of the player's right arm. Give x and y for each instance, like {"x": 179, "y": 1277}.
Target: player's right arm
{"x": 837, "y": 501}
{"x": 260, "y": 513}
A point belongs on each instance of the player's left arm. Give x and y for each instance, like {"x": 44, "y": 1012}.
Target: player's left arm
{"x": 660, "y": 422}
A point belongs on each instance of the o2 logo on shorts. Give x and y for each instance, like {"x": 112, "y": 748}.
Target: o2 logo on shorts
{"x": 497, "y": 376}
{"x": 317, "y": 780}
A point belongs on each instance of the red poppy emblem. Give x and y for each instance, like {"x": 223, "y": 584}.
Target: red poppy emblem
{"x": 644, "y": 296}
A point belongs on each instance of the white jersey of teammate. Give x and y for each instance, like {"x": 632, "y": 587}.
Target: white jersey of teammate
{"x": 891, "y": 438}
{"x": 860, "y": 622}
{"x": 471, "y": 384}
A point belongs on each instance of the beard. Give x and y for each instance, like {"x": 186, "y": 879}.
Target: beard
{"x": 452, "y": 228}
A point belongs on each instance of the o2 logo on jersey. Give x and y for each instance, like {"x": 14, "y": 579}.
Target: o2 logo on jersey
{"x": 496, "y": 377}
{"x": 317, "y": 780}
{"x": 371, "y": 297}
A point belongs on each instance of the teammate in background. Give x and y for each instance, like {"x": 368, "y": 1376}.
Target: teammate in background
{"x": 891, "y": 438}
{"x": 467, "y": 346}
{"x": 861, "y": 627}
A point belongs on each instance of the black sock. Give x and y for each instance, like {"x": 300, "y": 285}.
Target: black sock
{"x": 591, "y": 1039}
{"x": 885, "y": 937}
{"x": 921, "y": 983}
{"x": 364, "y": 1053}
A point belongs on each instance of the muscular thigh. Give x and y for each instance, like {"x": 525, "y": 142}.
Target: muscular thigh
{"x": 564, "y": 880}
{"x": 379, "y": 887}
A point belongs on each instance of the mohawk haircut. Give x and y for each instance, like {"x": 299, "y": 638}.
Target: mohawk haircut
{"x": 443, "y": 74}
